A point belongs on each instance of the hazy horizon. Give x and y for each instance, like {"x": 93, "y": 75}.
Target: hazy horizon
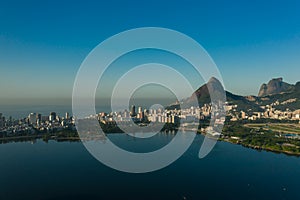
{"x": 43, "y": 45}
{"x": 142, "y": 98}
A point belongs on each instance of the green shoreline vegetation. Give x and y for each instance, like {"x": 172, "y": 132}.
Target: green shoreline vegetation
{"x": 261, "y": 135}
{"x": 67, "y": 134}
{"x": 264, "y": 136}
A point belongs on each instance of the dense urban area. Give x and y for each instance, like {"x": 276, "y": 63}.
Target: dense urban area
{"x": 269, "y": 129}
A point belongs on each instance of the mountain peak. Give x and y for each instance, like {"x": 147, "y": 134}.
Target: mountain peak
{"x": 213, "y": 79}
{"x": 274, "y": 86}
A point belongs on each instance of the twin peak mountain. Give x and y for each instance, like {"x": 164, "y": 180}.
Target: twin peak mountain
{"x": 288, "y": 95}
{"x": 277, "y": 86}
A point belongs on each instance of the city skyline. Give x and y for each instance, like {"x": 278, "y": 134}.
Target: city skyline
{"x": 145, "y": 99}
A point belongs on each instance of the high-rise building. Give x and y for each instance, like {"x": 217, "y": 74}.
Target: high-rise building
{"x": 154, "y": 112}
{"x": 146, "y": 112}
{"x": 32, "y": 118}
{"x": 175, "y": 119}
{"x": 52, "y": 116}
{"x": 67, "y": 116}
{"x": 38, "y": 118}
{"x": 139, "y": 109}
{"x": 132, "y": 111}
{"x": 1, "y": 120}
{"x": 140, "y": 113}
{"x": 126, "y": 114}
{"x": 10, "y": 121}
{"x": 160, "y": 118}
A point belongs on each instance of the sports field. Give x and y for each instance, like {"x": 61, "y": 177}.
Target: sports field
{"x": 278, "y": 127}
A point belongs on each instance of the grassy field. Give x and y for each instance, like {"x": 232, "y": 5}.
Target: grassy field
{"x": 277, "y": 127}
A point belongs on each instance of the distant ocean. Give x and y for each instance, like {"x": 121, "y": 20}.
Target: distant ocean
{"x": 17, "y": 110}
{"x": 22, "y": 111}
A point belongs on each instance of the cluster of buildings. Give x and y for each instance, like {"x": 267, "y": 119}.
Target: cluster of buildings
{"x": 160, "y": 115}
{"x": 140, "y": 115}
{"x": 35, "y": 122}
{"x": 269, "y": 112}
{"x": 53, "y": 122}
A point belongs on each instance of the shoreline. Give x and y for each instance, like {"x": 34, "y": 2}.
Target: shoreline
{"x": 260, "y": 148}
{"x": 5, "y": 140}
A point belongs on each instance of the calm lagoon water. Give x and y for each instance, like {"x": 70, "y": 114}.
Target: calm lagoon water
{"x": 65, "y": 170}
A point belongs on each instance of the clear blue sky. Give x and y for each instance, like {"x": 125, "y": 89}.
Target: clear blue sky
{"x": 42, "y": 43}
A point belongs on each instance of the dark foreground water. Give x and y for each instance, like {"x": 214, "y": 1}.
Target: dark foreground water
{"x": 65, "y": 170}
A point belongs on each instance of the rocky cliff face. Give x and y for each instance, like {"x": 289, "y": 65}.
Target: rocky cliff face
{"x": 275, "y": 90}
{"x": 213, "y": 86}
{"x": 275, "y": 86}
